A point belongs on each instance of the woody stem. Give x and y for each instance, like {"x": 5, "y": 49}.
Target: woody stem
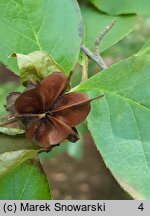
{"x": 96, "y": 56}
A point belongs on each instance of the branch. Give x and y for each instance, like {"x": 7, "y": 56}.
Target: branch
{"x": 100, "y": 37}
{"x": 98, "y": 59}
{"x": 96, "y": 56}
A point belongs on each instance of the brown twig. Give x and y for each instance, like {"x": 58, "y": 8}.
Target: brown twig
{"x": 98, "y": 60}
{"x": 96, "y": 56}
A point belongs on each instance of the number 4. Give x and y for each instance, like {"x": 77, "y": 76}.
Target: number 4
{"x": 141, "y": 207}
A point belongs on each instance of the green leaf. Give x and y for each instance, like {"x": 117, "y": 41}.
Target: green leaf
{"x": 5, "y": 89}
{"x": 11, "y": 131}
{"x": 49, "y": 25}
{"x": 35, "y": 65}
{"x": 116, "y": 7}
{"x": 10, "y": 160}
{"x": 75, "y": 149}
{"x": 57, "y": 150}
{"x": 27, "y": 182}
{"x": 145, "y": 49}
{"x": 120, "y": 121}
{"x": 95, "y": 22}
{"x": 14, "y": 150}
{"x": 14, "y": 143}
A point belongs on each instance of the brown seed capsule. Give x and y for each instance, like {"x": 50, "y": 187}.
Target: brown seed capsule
{"x": 50, "y": 114}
